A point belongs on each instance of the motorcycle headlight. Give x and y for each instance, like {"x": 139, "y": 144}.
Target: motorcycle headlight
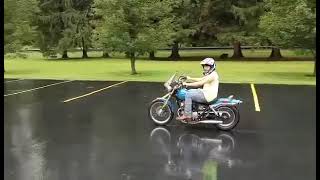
{"x": 168, "y": 87}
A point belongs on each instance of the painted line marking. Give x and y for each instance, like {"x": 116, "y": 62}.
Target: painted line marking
{"x": 93, "y": 92}
{"x": 13, "y": 80}
{"x": 29, "y": 90}
{"x": 255, "y": 98}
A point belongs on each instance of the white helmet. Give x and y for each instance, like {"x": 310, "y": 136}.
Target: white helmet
{"x": 209, "y": 62}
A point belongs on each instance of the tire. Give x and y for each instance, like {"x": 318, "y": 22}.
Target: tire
{"x": 155, "y": 117}
{"x": 228, "y": 142}
{"x": 231, "y": 123}
{"x": 160, "y": 139}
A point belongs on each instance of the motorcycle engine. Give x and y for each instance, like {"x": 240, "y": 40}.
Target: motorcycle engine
{"x": 199, "y": 111}
{"x": 201, "y": 107}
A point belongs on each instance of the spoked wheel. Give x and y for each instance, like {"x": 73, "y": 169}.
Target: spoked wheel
{"x": 159, "y": 113}
{"x": 230, "y": 117}
{"x": 160, "y": 139}
{"x": 228, "y": 143}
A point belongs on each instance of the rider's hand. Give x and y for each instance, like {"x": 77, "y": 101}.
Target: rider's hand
{"x": 184, "y": 84}
{"x": 188, "y": 77}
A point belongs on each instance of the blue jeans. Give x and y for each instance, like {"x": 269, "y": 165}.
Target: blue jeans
{"x": 195, "y": 95}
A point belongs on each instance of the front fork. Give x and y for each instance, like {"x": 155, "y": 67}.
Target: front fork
{"x": 167, "y": 97}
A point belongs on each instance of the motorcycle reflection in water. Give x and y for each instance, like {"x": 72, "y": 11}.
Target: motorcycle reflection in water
{"x": 190, "y": 156}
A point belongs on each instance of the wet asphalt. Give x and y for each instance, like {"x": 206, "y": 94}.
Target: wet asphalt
{"x": 108, "y": 135}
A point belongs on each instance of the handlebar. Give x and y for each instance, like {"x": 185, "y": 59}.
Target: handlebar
{"x": 182, "y": 79}
{"x": 177, "y": 84}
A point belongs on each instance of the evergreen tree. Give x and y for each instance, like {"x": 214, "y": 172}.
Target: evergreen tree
{"x": 64, "y": 24}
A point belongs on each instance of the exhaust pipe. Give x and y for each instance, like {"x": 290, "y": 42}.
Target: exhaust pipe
{"x": 204, "y": 122}
{"x": 210, "y": 122}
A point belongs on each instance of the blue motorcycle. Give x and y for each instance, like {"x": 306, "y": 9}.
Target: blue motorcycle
{"x": 222, "y": 112}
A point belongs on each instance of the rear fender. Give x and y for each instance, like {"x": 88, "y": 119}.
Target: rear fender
{"x": 226, "y": 102}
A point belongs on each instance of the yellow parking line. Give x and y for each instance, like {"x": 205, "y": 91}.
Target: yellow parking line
{"x": 88, "y": 94}
{"x": 36, "y": 88}
{"x": 255, "y": 98}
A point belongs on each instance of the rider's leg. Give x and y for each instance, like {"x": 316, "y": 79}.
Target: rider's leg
{"x": 198, "y": 96}
{"x": 192, "y": 95}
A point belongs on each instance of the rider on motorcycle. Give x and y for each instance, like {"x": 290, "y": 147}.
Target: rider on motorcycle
{"x": 209, "y": 84}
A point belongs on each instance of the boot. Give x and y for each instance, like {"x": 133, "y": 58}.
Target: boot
{"x": 184, "y": 118}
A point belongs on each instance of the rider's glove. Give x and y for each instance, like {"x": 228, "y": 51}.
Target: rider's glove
{"x": 184, "y": 84}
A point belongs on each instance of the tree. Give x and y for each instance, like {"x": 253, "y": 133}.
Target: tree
{"x": 84, "y": 29}
{"x": 242, "y": 28}
{"x": 247, "y": 12}
{"x": 19, "y": 30}
{"x": 222, "y": 22}
{"x": 134, "y": 27}
{"x": 54, "y": 26}
{"x": 275, "y": 53}
{"x": 105, "y": 54}
{"x": 63, "y": 24}
{"x": 290, "y": 23}
{"x": 151, "y": 55}
{"x": 184, "y": 23}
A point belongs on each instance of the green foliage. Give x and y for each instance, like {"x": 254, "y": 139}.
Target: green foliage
{"x": 64, "y": 24}
{"x": 290, "y": 23}
{"x": 18, "y": 28}
{"x": 185, "y": 19}
{"x": 221, "y": 22}
{"x": 140, "y": 26}
{"x": 244, "y": 26}
{"x": 133, "y": 26}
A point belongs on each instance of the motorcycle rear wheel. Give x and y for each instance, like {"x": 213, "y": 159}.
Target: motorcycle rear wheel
{"x": 230, "y": 117}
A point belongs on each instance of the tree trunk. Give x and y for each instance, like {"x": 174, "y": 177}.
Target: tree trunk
{"x": 275, "y": 53}
{"x": 65, "y": 54}
{"x": 84, "y": 53}
{"x": 151, "y": 55}
{"x": 105, "y": 54}
{"x": 175, "y": 51}
{"x": 237, "y": 53}
{"x": 133, "y": 64}
{"x": 127, "y": 55}
{"x": 84, "y": 50}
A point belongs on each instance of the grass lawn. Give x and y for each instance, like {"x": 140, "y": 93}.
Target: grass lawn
{"x": 280, "y": 72}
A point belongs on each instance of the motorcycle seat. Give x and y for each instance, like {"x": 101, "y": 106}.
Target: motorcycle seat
{"x": 211, "y": 102}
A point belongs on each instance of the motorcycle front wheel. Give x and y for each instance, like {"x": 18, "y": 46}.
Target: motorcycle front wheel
{"x": 159, "y": 113}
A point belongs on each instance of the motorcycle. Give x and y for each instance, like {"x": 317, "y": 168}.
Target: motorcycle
{"x": 222, "y": 112}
